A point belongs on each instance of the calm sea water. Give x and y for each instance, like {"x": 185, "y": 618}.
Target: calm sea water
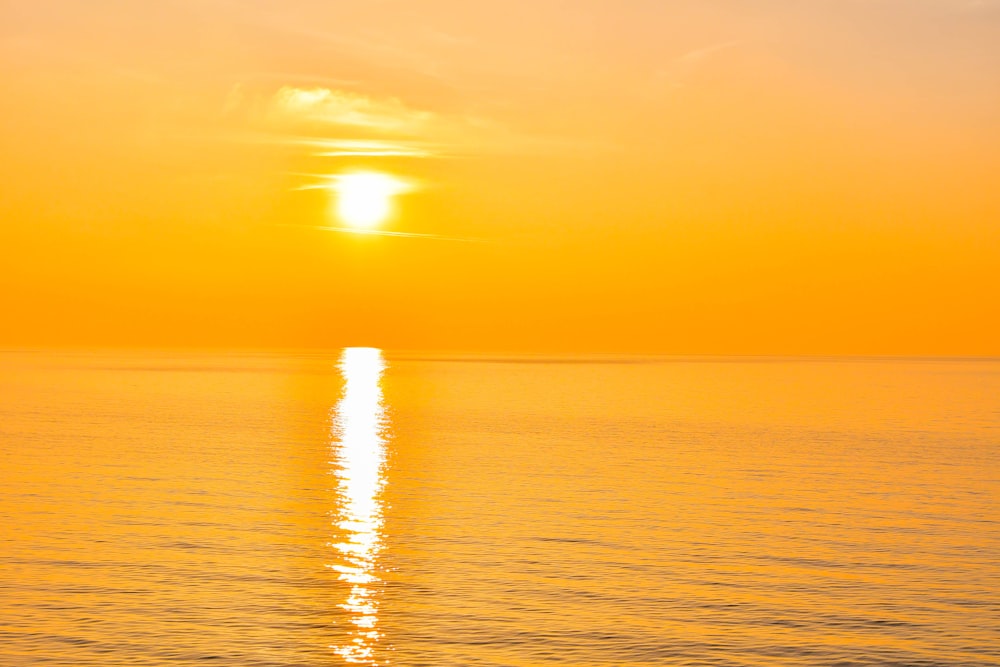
{"x": 165, "y": 509}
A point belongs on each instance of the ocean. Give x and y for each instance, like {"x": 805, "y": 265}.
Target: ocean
{"x": 376, "y": 508}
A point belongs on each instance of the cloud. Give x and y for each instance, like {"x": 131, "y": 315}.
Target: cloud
{"x": 334, "y": 123}
{"x": 373, "y": 148}
{"x": 346, "y": 108}
{"x": 678, "y": 71}
{"x": 698, "y": 55}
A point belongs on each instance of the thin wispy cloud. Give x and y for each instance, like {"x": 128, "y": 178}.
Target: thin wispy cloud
{"x": 382, "y": 232}
{"x": 346, "y": 108}
{"x": 373, "y": 148}
{"x": 675, "y": 74}
{"x": 337, "y": 123}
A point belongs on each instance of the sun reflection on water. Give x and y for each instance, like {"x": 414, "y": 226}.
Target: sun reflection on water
{"x": 359, "y": 426}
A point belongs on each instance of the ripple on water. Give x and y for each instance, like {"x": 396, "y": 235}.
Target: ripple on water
{"x": 267, "y": 510}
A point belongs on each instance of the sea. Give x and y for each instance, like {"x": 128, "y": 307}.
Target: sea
{"x": 366, "y": 507}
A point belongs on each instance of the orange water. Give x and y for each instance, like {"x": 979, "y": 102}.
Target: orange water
{"x": 325, "y": 509}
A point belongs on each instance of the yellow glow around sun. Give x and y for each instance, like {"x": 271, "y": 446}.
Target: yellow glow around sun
{"x": 364, "y": 199}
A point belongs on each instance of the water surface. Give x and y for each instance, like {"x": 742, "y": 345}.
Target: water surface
{"x": 368, "y": 508}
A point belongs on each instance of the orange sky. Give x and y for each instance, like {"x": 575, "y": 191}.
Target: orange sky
{"x": 703, "y": 176}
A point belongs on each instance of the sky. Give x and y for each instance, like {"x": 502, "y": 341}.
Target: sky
{"x": 691, "y": 177}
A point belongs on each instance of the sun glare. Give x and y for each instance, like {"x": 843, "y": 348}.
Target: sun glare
{"x": 364, "y": 199}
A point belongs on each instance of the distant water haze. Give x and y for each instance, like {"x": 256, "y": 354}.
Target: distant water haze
{"x": 371, "y": 508}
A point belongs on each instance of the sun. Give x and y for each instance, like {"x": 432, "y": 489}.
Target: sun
{"x": 364, "y": 198}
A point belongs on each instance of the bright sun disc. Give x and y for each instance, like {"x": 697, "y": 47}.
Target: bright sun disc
{"x": 364, "y": 199}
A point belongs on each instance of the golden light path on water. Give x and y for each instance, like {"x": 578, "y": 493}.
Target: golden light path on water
{"x": 359, "y": 424}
